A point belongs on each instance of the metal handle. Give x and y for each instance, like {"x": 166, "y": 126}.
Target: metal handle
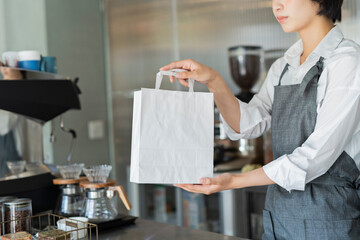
{"x": 73, "y": 139}
{"x": 122, "y": 195}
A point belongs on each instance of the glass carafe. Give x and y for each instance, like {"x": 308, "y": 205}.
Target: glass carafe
{"x": 97, "y": 205}
{"x": 70, "y": 200}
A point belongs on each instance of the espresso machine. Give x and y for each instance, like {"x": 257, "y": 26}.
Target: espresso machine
{"x": 246, "y": 65}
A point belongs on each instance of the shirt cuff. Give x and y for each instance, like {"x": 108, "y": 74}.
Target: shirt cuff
{"x": 286, "y": 174}
{"x": 231, "y": 133}
{"x": 251, "y": 118}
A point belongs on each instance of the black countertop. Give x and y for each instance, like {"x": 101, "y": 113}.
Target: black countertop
{"x": 150, "y": 230}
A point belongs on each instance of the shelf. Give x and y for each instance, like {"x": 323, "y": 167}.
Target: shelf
{"x": 40, "y": 100}
{"x": 32, "y": 74}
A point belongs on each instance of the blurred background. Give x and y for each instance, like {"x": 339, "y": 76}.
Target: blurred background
{"x": 116, "y": 47}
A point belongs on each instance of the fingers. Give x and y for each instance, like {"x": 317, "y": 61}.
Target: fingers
{"x": 188, "y": 189}
{"x": 182, "y": 81}
{"x": 183, "y": 64}
{"x": 187, "y": 75}
{"x": 183, "y": 76}
{"x": 208, "y": 181}
{"x": 192, "y": 188}
{"x": 177, "y": 64}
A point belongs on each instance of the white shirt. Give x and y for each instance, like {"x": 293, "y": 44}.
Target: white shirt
{"x": 337, "y": 126}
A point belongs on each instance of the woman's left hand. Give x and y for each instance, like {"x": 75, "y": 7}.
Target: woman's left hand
{"x": 209, "y": 185}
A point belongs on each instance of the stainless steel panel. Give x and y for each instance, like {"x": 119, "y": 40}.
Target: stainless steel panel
{"x": 140, "y": 42}
{"x": 207, "y": 28}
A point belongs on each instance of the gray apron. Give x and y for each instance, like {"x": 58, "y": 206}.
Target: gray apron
{"x": 8, "y": 152}
{"x": 329, "y": 207}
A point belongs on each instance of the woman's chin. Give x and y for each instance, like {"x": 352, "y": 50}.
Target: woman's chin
{"x": 288, "y": 29}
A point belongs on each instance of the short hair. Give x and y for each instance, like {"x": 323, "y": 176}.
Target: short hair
{"x": 330, "y": 9}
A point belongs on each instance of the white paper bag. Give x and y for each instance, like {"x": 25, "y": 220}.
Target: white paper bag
{"x": 172, "y": 135}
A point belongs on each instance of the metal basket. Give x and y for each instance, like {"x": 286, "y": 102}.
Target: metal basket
{"x": 48, "y": 221}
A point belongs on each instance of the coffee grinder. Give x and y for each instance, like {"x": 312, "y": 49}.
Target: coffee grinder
{"x": 246, "y": 67}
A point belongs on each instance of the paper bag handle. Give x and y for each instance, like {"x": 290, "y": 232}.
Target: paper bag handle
{"x": 172, "y": 72}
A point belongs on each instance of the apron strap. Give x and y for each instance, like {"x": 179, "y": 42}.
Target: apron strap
{"x": 357, "y": 183}
{"x": 283, "y": 73}
{"x": 313, "y": 74}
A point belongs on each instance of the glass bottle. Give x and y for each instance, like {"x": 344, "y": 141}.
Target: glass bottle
{"x": 2, "y": 215}
{"x": 17, "y": 215}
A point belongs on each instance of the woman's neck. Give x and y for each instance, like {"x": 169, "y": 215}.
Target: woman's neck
{"x": 313, "y": 34}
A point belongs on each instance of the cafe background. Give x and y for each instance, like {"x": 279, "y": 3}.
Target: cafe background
{"x": 116, "y": 47}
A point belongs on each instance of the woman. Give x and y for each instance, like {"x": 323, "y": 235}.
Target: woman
{"x": 311, "y": 101}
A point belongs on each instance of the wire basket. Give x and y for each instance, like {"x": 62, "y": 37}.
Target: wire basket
{"x": 37, "y": 225}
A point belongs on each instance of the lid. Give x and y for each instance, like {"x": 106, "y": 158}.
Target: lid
{"x": 63, "y": 181}
{"x": 6, "y": 198}
{"x": 18, "y": 201}
{"x": 87, "y": 184}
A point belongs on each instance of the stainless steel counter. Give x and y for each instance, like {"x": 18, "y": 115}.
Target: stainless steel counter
{"x": 145, "y": 229}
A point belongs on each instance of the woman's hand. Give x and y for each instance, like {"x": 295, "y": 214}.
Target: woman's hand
{"x": 209, "y": 185}
{"x": 197, "y": 71}
{"x": 228, "y": 181}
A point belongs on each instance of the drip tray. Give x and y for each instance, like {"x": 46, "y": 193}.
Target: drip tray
{"x": 120, "y": 220}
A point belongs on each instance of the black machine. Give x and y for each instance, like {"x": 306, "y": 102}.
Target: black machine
{"x": 40, "y": 97}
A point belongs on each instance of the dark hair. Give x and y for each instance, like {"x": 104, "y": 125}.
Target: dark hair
{"x": 330, "y": 9}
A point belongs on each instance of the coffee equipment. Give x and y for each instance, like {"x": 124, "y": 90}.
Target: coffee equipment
{"x": 99, "y": 190}
{"x": 71, "y": 197}
{"x": 246, "y": 67}
{"x": 246, "y": 64}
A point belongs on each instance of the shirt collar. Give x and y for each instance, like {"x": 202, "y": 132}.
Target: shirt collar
{"x": 324, "y": 49}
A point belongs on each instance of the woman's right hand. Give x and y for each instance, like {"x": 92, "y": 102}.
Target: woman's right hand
{"x": 197, "y": 71}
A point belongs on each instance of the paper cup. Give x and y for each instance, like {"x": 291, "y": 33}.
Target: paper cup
{"x": 72, "y": 224}
{"x": 29, "y": 55}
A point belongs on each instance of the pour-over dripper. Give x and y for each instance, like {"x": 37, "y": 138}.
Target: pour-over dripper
{"x": 70, "y": 171}
{"x": 97, "y": 174}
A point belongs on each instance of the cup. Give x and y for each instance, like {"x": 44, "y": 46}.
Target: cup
{"x": 97, "y": 174}
{"x": 33, "y": 166}
{"x": 29, "y": 60}
{"x": 70, "y": 171}
{"x": 48, "y": 64}
{"x": 72, "y": 224}
{"x": 16, "y": 167}
{"x": 10, "y": 59}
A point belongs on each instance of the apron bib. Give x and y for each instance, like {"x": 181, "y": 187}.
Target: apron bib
{"x": 329, "y": 207}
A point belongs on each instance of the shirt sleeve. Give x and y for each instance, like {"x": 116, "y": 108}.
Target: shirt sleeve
{"x": 337, "y": 121}
{"x": 256, "y": 115}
